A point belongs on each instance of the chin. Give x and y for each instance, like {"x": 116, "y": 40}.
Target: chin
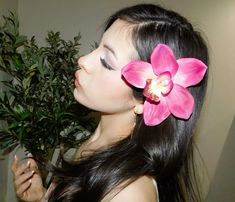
{"x": 76, "y": 95}
{"x": 81, "y": 99}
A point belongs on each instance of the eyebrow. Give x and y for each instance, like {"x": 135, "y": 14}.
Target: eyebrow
{"x": 110, "y": 49}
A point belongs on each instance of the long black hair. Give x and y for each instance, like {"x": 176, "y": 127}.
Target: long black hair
{"x": 163, "y": 152}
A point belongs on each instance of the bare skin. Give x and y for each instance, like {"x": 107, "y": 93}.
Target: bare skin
{"x": 27, "y": 181}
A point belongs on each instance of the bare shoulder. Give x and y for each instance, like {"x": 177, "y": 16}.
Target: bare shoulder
{"x": 141, "y": 190}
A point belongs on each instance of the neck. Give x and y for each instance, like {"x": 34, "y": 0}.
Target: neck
{"x": 114, "y": 127}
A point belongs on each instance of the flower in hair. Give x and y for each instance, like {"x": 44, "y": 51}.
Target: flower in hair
{"x": 165, "y": 81}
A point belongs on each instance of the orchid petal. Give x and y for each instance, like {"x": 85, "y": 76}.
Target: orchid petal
{"x": 191, "y": 71}
{"x": 180, "y": 102}
{"x": 163, "y": 60}
{"x": 155, "y": 113}
{"x": 137, "y": 72}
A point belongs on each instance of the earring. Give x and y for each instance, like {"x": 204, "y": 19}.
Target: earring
{"x": 134, "y": 124}
{"x": 136, "y": 110}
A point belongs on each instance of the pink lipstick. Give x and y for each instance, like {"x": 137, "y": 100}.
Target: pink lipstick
{"x": 76, "y": 80}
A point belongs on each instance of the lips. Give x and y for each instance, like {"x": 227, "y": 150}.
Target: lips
{"x": 76, "y": 81}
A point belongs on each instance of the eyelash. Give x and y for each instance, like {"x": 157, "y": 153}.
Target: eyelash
{"x": 105, "y": 64}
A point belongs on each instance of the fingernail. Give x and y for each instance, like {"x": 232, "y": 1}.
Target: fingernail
{"x": 32, "y": 172}
{"x": 15, "y": 157}
{"x": 28, "y": 163}
{"x": 30, "y": 181}
{"x": 29, "y": 155}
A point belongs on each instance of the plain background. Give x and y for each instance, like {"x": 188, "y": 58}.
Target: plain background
{"x": 215, "y": 133}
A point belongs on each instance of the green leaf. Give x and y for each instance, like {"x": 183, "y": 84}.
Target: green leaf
{"x": 13, "y": 125}
{"x": 10, "y": 148}
{"x": 6, "y": 140}
{"x": 25, "y": 115}
{"x": 10, "y": 34}
{"x": 21, "y": 134}
{"x": 26, "y": 82}
{"x": 20, "y": 40}
{"x": 17, "y": 62}
{"x": 2, "y": 64}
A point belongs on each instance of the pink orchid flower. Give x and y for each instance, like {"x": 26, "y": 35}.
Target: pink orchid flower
{"x": 164, "y": 82}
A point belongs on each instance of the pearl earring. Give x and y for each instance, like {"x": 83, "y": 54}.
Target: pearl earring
{"x": 136, "y": 110}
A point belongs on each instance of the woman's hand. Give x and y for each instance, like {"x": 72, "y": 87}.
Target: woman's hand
{"x": 27, "y": 181}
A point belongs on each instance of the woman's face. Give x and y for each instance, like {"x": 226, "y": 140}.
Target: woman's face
{"x": 98, "y": 84}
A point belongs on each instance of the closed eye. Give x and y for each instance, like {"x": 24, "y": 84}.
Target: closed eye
{"x": 105, "y": 64}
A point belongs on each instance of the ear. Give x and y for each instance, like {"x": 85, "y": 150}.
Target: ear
{"x": 139, "y": 108}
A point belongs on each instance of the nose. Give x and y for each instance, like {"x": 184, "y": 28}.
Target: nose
{"x": 84, "y": 63}
{"x": 80, "y": 62}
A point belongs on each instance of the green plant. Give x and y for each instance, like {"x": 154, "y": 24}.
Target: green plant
{"x": 37, "y": 108}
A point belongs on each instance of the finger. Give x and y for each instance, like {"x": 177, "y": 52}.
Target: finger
{"x": 33, "y": 164}
{"x": 21, "y": 169}
{"x": 23, "y": 188}
{"x": 23, "y": 178}
{"x": 14, "y": 164}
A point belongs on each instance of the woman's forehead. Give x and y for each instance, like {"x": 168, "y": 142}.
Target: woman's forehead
{"x": 119, "y": 38}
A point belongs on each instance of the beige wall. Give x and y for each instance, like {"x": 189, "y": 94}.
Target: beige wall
{"x": 215, "y": 17}
{"x": 6, "y": 6}
{"x": 222, "y": 186}
{"x": 69, "y": 17}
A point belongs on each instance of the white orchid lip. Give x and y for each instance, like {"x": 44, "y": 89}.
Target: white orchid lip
{"x": 157, "y": 87}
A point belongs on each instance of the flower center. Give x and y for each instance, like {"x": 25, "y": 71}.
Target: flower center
{"x": 158, "y": 86}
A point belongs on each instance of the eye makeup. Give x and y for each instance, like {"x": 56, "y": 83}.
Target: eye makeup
{"x": 105, "y": 64}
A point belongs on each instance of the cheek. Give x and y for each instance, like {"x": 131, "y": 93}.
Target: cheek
{"x": 111, "y": 92}
{"x": 116, "y": 89}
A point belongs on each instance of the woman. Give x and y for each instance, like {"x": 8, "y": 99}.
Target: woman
{"x": 148, "y": 79}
